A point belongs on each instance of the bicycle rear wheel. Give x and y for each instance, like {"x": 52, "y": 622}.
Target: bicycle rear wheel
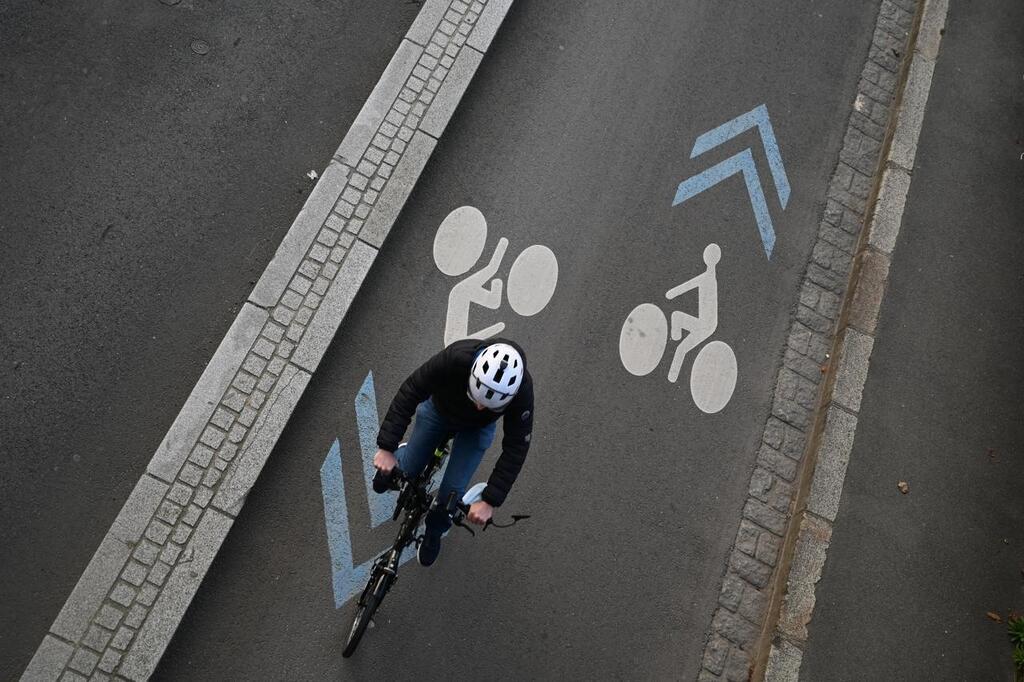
{"x": 364, "y": 612}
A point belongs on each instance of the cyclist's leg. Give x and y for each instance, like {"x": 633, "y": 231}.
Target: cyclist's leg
{"x": 468, "y": 449}
{"x": 699, "y": 331}
{"x": 427, "y": 432}
{"x": 682, "y": 322}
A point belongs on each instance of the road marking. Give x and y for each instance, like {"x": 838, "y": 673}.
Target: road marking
{"x": 459, "y": 244}
{"x": 742, "y": 162}
{"x": 643, "y": 339}
{"x": 645, "y": 333}
{"x": 756, "y": 117}
{"x": 713, "y": 377}
{"x": 367, "y": 425}
{"x": 742, "y": 631}
{"x": 347, "y": 577}
{"x": 129, "y": 601}
{"x": 532, "y": 280}
{"x": 460, "y": 241}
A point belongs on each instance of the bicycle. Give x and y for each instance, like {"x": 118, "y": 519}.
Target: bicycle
{"x": 415, "y": 500}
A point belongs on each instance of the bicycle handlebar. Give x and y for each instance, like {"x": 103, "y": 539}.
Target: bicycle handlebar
{"x": 455, "y": 508}
{"x": 463, "y": 510}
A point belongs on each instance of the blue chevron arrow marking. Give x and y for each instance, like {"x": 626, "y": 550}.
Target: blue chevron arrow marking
{"x": 743, "y": 162}
{"x": 739, "y": 163}
{"x": 367, "y": 423}
{"x": 347, "y": 578}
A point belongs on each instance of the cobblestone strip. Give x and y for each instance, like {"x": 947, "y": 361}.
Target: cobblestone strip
{"x": 128, "y": 603}
{"x": 737, "y": 648}
{"x": 857, "y": 335}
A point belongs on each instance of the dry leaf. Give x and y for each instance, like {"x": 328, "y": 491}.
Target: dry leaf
{"x": 992, "y": 615}
{"x": 904, "y": 487}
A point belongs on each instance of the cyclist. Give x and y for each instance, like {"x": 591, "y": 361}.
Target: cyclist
{"x": 463, "y": 390}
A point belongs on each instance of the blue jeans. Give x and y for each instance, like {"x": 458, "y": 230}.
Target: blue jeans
{"x": 467, "y": 450}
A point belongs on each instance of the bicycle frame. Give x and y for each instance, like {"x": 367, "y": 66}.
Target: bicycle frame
{"x": 415, "y": 500}
{"x": 415, "y": 509}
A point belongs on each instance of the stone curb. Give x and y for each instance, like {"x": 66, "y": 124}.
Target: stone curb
{"x": 810, "y": 529}
{"x": 121, "y": 615}
{"x": 825, "y": 361}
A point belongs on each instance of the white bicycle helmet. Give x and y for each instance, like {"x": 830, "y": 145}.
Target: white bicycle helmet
{"x": 496, "y": 376}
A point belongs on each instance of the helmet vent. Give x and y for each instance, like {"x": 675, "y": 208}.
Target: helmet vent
{"x": 495, "y": 376}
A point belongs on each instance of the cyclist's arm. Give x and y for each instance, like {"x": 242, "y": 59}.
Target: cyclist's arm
{"x": 518, "y": 426}
{"x": 685, "y": 286}
{"x": 413, "y": 391}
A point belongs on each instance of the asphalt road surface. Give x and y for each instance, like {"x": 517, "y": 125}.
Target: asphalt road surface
{"x": 574, "y": 135}
{"x": 910, "y": 578}
{"x": 144, "y": 187}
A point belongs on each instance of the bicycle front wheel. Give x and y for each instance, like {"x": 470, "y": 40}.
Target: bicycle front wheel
{"x": 364, "y": 614}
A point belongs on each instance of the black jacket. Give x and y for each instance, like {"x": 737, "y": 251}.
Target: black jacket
{"x": 445, "y": 378}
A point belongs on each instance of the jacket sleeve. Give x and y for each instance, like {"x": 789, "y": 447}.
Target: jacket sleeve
{"x": 413, "y": 391}
{"x": 518, "y": 426}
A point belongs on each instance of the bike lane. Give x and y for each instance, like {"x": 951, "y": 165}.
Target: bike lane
{"x": 574, "y": 136}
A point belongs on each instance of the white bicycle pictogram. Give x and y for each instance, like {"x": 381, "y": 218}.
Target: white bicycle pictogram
{"x": 646, "y": 331}
{"x": 458, "y": 245}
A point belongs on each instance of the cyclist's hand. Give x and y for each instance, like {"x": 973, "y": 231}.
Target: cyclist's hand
{"x": 480, "y": 513}
{"x": 385, "y": 461}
